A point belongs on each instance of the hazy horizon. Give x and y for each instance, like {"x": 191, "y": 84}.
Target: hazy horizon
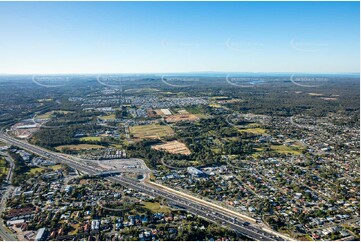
{"x": 179, "y": 37}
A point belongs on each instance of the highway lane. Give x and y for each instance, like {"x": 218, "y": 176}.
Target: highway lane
{"x": 195, "y": 207}
{"x": 212, "y": 214}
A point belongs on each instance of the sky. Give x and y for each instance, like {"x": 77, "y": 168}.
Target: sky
{"x": 167, "y": 37}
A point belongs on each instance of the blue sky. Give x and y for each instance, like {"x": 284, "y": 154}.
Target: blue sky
{"x": 161, "y": 37}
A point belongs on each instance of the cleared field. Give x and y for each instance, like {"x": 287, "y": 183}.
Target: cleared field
{"x": 108, "y": 117}
{"x": 329, "y": 98}
{"x": 79, "y": 147}
{"x": 315, "y": 94}
{"x": 283, "y": 149}
{"x": 63, "y": 111}
{"x": 156, "y": 207}
{"x": 181, "y": 117}
{"x": 183, "y": 111}
{"x": 153, "y": 113}
{"x": 92, "y": 138}
{"x": 45, "y": 100}
{"x": 258, "y": 131}
{"x": 253, "y": 125}
{"x": 173, "y": 147}
{"x": 214, "y": 105}
{"x": 150, "y": 131}
{"x": 46, "y": 115}
{"x": 230, "y": 101}
{"x": 161, "y": 112}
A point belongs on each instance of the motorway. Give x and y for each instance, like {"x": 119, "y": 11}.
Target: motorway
{"x": 221, "y": 216}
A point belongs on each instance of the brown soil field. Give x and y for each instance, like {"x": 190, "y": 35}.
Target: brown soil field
{"x": 173, "y": 147}
{"x": 181, "y": 117}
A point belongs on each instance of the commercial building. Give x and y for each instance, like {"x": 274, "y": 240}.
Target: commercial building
{"x": 195, "y": 172}
{"x": 41, "y": 235}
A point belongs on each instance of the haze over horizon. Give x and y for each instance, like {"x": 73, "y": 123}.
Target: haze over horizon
{"x": 179, "y": 37}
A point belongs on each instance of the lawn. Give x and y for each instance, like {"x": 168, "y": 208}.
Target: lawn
{"x": 214, "y": 105}
{"x": 195, "y": 109}
{"x": 257, "y": 152}
{"x": 79, "y": 147}
{"x": 56, "y": 167}
{"x": 34, "y": 170}
{"x": 3, "y": 167}
{"x": 63, "y": 111}
{"x": 151, "y": 131}
{"x": 46, "y": 115}
{"x": 49, "y": 114}
{"x": 75, "y": 229}
{"x": 92, "y": 138}
{"x": 216, "y": 150}
{"x": 108, "y": 117}
{"x": 156, "y": 207}
{"x": 257, "y": 131}
{"x": 283, "y": 149}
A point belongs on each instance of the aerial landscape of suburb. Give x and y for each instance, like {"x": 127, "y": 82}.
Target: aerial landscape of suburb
{"x": 180, "y": 121}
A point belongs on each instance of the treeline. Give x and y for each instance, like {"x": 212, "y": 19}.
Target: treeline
{"x": 208, "y": 135}
{"x": 152, "y": 157}
{"x": 51, "y": 137}
{"x": 64, "y": 129}
{"x": 20, "y": 170}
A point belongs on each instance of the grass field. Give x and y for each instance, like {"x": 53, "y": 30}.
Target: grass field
{"x": 56, "y": 167}
{"x": 34, "y": 170}
{"x": 75, "y": 229}
{"x": 151, "y": 131}
{"x": 156, "y": 207}
{"x": 3, "y": 167}
{"x": 108, "y": 117}
{"x": 283, "y": 149}
{"x": 258, "y": 131}
{"x": 79, "y": 147}
{"x": 63, "y": 111}
{"x": 46, "y": 115}
{"x": 214, "y": 105}
{"x": 93, "y": 138}
{"x": 257, "y": 152}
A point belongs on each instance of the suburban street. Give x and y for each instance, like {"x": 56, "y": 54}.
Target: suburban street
{"x": 194, "y": 205}
{"x": 6, "y": 190}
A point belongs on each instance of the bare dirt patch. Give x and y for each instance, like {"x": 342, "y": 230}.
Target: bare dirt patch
{"x": 181, "y": 117}
{"x": 329, "y": 98}
{"x": 173, "y": 147}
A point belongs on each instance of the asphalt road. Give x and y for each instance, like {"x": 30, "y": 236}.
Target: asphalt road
{"x": 217, "y": 215}
{"x": 6, "y": 191}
